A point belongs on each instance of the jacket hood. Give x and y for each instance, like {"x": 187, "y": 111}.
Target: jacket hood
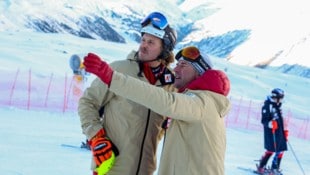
{"x": 212, "y": 80}
{"x": 218, "y": 85}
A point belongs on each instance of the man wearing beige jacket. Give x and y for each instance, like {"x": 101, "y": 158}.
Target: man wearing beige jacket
{"x": 134, "y": 129}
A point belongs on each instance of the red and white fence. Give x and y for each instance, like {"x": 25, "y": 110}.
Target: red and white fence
{"x": 31, "y": 91}
{"x": 246, "y": 114}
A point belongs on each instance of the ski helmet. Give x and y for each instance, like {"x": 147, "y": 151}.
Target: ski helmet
{"x": 156, "y": 24}
{"x": 277, "y": 93}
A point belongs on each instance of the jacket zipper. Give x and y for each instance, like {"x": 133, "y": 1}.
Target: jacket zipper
{"x": 143, "y": 140}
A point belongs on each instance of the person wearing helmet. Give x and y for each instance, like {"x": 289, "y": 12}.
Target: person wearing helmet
{"x": 133, "y": 129}
{"x": 275, "y": 132}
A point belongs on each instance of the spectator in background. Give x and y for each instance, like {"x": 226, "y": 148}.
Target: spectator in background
{"x": 275, "y": 133}
{"x": 134, "y": 129}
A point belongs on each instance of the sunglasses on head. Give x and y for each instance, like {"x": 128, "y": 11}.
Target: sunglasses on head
{"x": 157, "y": 19}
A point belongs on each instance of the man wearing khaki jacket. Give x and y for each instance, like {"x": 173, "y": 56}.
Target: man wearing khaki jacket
{"x": 196, "y": 138}
{"x": 134, "y": 129}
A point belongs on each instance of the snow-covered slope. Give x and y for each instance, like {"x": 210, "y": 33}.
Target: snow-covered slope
{"x": 31, "y": 139}
{"x": 273, "y": 35}
{"x": 31, "y": 145}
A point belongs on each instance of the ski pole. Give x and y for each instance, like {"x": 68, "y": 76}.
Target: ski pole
{"x": 296, "y": 158}
{"x": 274, "y": 139}
{"x": 275, "y": 143}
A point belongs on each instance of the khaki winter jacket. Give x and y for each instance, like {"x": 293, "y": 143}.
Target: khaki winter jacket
{"x": 133, "y": 128}
{"x": 196, "y": 139}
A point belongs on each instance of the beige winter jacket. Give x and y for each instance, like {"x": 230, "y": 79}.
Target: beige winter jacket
{"x": 133, "y": 128}
{"x": 196, "y": 139}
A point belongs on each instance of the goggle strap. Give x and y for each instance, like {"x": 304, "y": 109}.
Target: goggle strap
{"x": 195, "y": 64}
{"x": 153, "y": 31}
{"x": 203, "y": 63}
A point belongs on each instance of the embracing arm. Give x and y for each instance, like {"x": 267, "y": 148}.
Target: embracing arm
{"x": 174, "y": 105}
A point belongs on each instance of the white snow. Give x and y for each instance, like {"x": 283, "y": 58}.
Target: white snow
{"x": 31, "y": 139}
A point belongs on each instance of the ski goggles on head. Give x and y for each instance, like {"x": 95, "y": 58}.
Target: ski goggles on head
{"x": 189, "y": 53}
{"x": 157, "y": 19}
{"x": 193, "y": 56}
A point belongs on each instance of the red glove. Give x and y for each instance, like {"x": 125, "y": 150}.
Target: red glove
{"x": 273, "y": 125}
{"x": 286, "y": 135}
{"x": 93, "y": 64}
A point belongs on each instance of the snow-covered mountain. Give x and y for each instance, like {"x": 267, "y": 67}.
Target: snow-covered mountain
{"x": 34, "y": 66}
{"x": 38, "y": 114}
{"x": 261, "y": 33}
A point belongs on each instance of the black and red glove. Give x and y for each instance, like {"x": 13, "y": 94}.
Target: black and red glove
{"x": 95, "y": 65}
{"x": 102, "y": 147}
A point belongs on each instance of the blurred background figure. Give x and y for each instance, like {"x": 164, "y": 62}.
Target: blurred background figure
{"x": 275, "y": 133}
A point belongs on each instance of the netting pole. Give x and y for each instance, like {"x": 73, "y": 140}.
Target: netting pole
{"x": 248, "y": 117}
{"x": 13, "y": 87}
{"x": 29, "y": 90}
{"x": 69, "y": 92}
{"x": 229, "y": 114}
{"x": 48, "y": 90}
{"x": 238, "y": 110}
{"x": 306, "y": 129}
{"x": 301, "y": 130}
{"x": 65, "y": 94}
{"x": 288, "y": 118}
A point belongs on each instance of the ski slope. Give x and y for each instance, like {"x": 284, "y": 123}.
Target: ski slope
{"x": 31, "y": 139}
{"x": 31, "y": 144}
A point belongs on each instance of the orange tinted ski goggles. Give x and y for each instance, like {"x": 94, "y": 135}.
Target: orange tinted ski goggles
{"x": 192, "y": 54}
{"x": 189, "y": 53}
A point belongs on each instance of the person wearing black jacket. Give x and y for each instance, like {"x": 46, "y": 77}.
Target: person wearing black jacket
{"x": 275, "y": 134}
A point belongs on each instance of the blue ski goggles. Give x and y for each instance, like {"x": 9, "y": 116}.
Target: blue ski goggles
{"x": 157, "y": 19}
